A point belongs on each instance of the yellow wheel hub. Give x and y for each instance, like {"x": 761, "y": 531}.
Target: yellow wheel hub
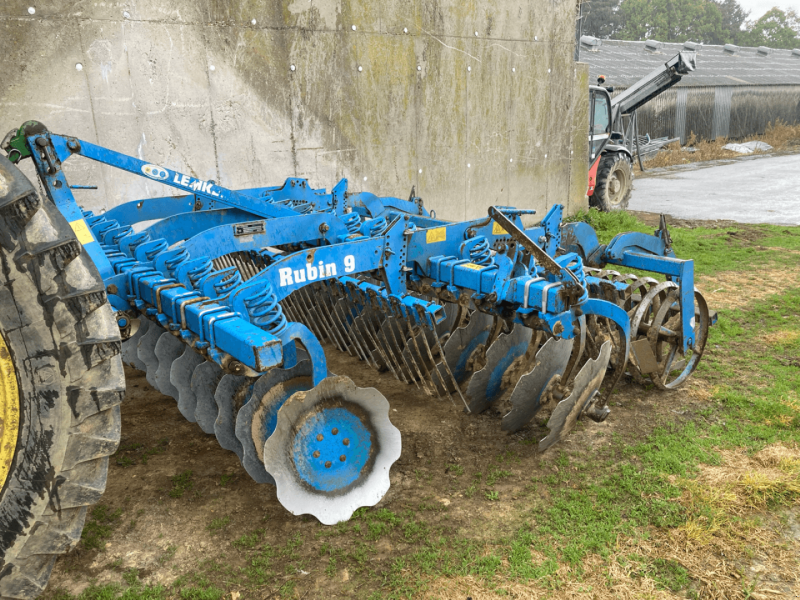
{"x": 9, "y": 411}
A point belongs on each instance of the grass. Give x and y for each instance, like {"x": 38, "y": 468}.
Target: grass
{"x": 780, "y": 136}
{"x": 642, "y": 512}
{"x": 99, "y": 526}
{"x": 181, "y": 484}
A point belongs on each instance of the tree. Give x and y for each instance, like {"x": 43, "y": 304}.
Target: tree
{"x": 601, "y": 18}
{"x": 671, "y": 20}
{"x": 733, "y": 17}
{"x": 776, "y": 29}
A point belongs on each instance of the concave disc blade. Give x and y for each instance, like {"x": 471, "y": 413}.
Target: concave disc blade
{"x": 232, "y": 393}
{"x": 332, "y": 450}
{"x": 130, "y": 347}
{"x": 587, "y": 382}
{"x": 256, "y": 420}
{"x": 180, "y": 376}
{"x": 551, "y": 360}
{"x": 205, "y": 378}
{"x": 147, "y": 352}
{"x": 168, "y": 349}
{"x": 463, "y": 342}
{"x": 485, "y": 385}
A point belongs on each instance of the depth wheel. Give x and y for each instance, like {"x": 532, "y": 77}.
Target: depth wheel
{"x": 331, "y": 450}
{"x": 61, "y": 383}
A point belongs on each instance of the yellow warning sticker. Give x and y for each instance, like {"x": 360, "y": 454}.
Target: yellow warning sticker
{"x": 82, "y": 231}
{"x": 497, "y": 230}
{"x": 472, "y": 266}
{"x": 436, "y": 235}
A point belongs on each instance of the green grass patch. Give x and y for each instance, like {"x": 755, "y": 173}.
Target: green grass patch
{"x": 181, "y": 483}
{"x": 99, "y": 526}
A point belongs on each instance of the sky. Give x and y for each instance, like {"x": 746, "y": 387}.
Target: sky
{"x": 759, "y": 7}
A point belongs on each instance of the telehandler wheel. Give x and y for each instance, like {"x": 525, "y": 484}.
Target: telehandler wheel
{"x": 614, "y": 183}
{"x": 61, "y": 384}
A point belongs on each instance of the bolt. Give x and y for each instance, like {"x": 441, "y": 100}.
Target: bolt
{"x": 346, "y": 441}
{"x": 542, "y": 240}
{"x": 328, "y": 464}
{"x": 319, "y": 437}
{"x": 334, "y": 431}
{"x": 41, "y": 142}
{"x": 342, "y": 458}
{"x": 316, "y": 453}
{"x": 323, "y": 229}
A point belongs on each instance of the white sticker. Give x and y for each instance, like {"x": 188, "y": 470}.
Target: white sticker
{"x": 692, "y": 322}
{"x": 155, "y": 172}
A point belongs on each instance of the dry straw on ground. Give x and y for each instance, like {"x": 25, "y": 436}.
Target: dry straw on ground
{"x": 780, "y": 136}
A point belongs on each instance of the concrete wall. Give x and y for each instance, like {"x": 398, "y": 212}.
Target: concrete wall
{"x": 474, "y": 103}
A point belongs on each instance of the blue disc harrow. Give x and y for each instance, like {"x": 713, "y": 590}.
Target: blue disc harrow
{"x": 229, "y": 299}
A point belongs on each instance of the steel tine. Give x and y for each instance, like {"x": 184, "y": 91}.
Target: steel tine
{"x": 388, "y": 357}
{"x": 355, "y": 313}
{"x": 425, "y": 325}
{"x": 322, "y": 317}
{"x": 392, "y": 322}
{"x": 386, "y": 334}
{"x": 341, "y": 311}
{"x": 318, "y": 299}
{"x": 336, "y": 318}
{"x": 369, "y": 326}
{"x": 413, "y": 338}
{"x": 290, "y": 310}
{"x": 437, "y": 370}
{"x": 312, "y": 323}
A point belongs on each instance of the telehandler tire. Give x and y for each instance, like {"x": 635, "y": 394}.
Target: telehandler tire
{"x": 614, "y": 183}
{"x": 61, "y": 384}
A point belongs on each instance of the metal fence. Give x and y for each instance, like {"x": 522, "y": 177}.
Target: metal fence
{"x": 719, "y": 111}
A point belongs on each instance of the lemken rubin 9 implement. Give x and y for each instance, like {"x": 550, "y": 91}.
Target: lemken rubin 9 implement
{"x": 225, "y": 299}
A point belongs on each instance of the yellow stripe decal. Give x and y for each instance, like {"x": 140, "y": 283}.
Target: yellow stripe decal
{"x": 436, "y": 235}
{"x": 472, "y": 266}
{"x": 81, "y": 230}
{"x": 9, "y": 411}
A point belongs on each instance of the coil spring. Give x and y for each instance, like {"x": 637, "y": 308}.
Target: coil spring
{"x": 138, "y": 240}
{"x": 353, "y": 223}
{"x": 160, "y": 246}
{"x": 302, "y": 207}
{"x": 481, "y": 252}
{"x": 265, "y": 310}
{"x": 229, "y": 283}
{"x": 196, "y": 274}
{"x": 377, "y": 227}
{"x": 172, "y": 263}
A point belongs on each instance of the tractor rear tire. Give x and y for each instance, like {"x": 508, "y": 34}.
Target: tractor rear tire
{"x": 61, "y": 384}
{"x": 614, "y": 183}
